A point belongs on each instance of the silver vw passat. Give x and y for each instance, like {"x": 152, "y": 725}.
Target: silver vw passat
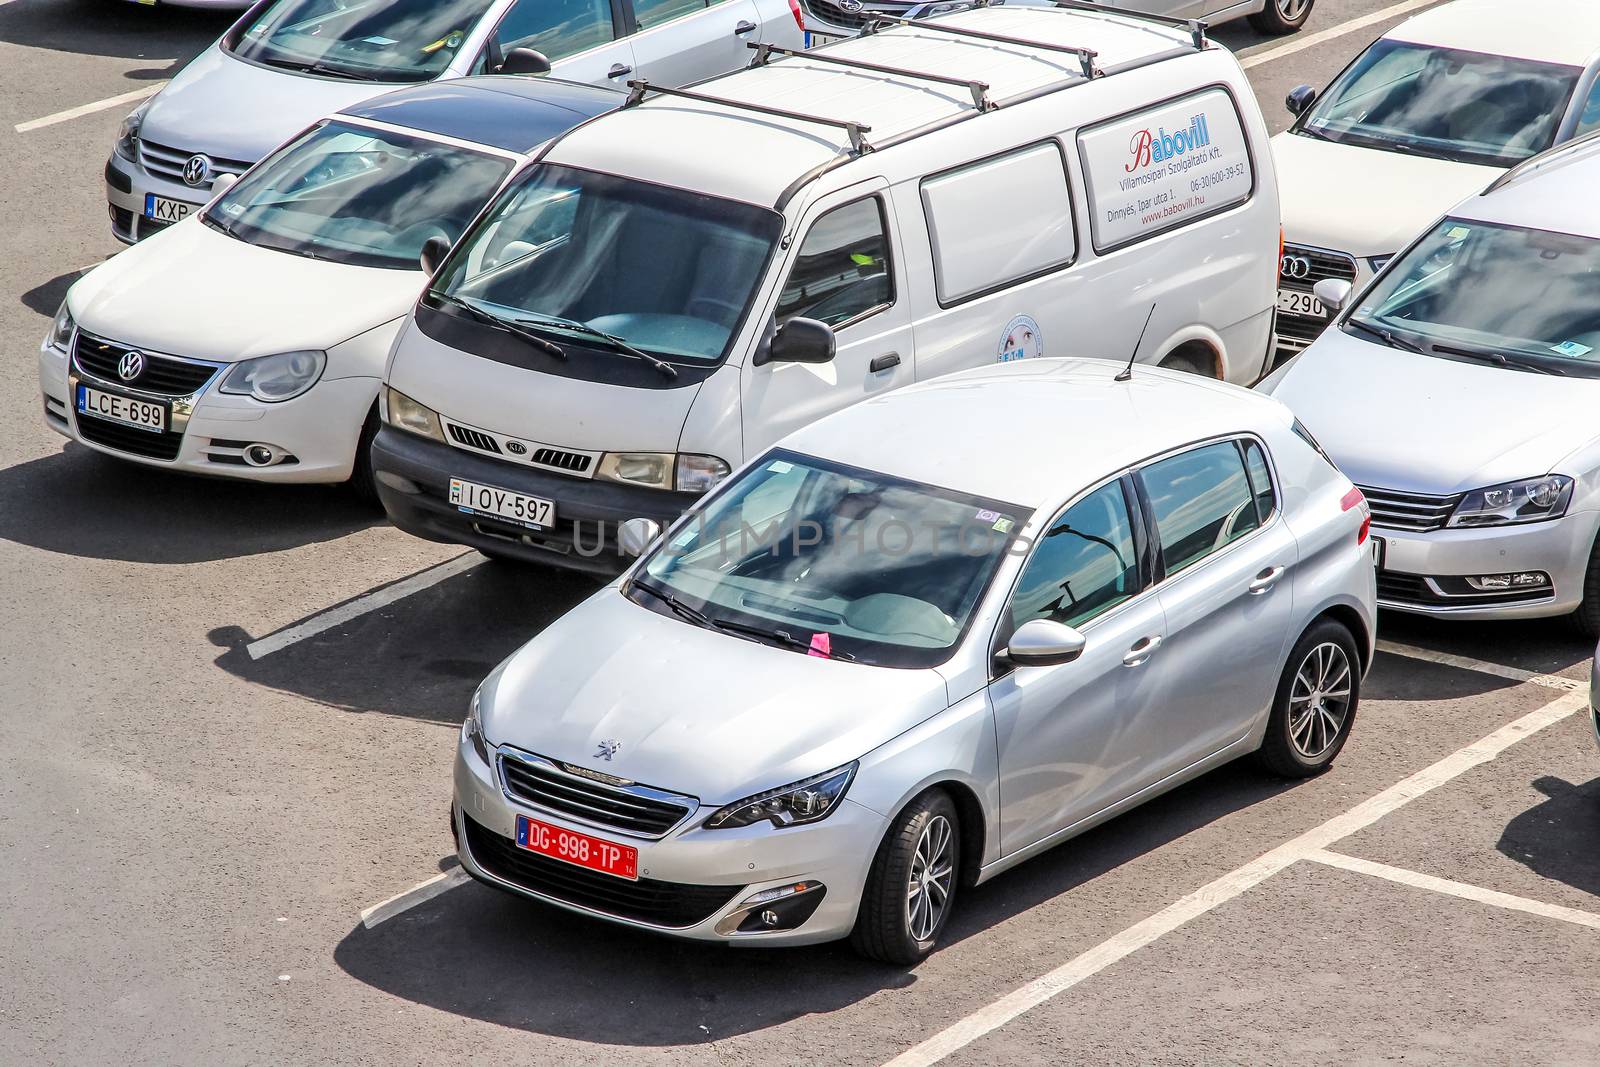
{"x": 917, "y": 643}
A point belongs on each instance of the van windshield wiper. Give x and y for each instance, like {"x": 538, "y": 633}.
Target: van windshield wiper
{"x": 539, "y": 341}
{"x": 1500, "y": 359}
{"x": 1387, "y": 337}
{"x": 620, "y": 344}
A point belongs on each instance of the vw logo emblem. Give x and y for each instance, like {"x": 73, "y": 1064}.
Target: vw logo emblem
{"x": 1295, "y": 267}
{"x": 607, "y": 750}
{"x": 130, "y": 366}
{"x": 197, "y": 170}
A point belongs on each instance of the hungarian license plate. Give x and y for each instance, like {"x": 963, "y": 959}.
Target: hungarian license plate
{"x": 1377, "y": 552}
{"x": 578, "y": 849}
{"x": 140, "y": 414}
{"x": 1295, "y": 302}
{"x": 502, "y": 504}
{"x": 161, "y": 209}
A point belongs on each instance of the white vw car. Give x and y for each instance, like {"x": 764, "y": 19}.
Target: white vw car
{"x": 249, "y": 340}
{"x": 917, "y": 643}
{"x": 1460, "y": 393}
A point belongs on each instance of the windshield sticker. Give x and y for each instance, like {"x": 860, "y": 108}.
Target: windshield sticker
{"x": 987, "y": 516}
{"x": 1572, "y": 348}
{"x": 821, "y": 646}
{"x": 381, "y": 42}
{"x": 1455, "y": 233}
{"x": 1003, "y": 525}
{"x": 1021, "y": 340}
{"x": 780, "y": 466}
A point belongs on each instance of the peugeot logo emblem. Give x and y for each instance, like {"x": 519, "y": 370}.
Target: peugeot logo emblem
{"x": 197, "y": 170}
{"x": 607, "y": 750}
{"x": 1295, "y": 267}
{"x": 130, "y": 366}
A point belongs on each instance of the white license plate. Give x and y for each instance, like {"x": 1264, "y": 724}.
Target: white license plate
{"x": 142, "y": 414}
{"x": 161, "y": 209}
{"x": 1294, "y": 302}
{"x": 1377, "y": 552}
{"x": 502, "y": 504}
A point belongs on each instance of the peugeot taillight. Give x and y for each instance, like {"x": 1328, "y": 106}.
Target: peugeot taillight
{"x": 1356, "y": 499}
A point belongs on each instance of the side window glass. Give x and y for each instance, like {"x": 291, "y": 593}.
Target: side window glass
{"x": 1084, "y": 564}
{"x": 843, "y": 268}
{"x": 652, "y": 13}
{"x": 557, "y": 28}
{"x": 1255, "y": 461}
{"x": 1589, "y": 119}
{"x": 1201, "y": 500}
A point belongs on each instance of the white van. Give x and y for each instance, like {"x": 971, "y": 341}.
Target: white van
{"x": 678, "y": 284}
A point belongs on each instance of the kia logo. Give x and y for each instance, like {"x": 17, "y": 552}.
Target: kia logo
{"x": 1295, "y": 267}
{"x": 516, "y": 448}
{"x": 130, "y": 366}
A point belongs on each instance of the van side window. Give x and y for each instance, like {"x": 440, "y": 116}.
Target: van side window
{"x": 843, "y": 270}
{"x": 999, "y": 221}
{"x": 1085, "y": 564}
{"x": 557, "y": 28}
{"x": 1255, "y": 462}
{"x": 1201, "y": 500}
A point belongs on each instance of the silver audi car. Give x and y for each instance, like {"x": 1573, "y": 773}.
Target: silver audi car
{"x": 919, "y": 642}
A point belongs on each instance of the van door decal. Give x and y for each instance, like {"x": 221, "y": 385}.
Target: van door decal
{"x": 1022, "y": 339}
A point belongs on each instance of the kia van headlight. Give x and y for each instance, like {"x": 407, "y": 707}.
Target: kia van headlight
{"x": 686, "y": 472}
{"x": 403, "y": 413}
{"x": 792, "y": 805}
{"x": 273, "y": 379}
{"x": 700, "y": 474}
{"x": 61, "y": 328}
{"x": 1532, "y": 500}
{"x": 128, "y": 133}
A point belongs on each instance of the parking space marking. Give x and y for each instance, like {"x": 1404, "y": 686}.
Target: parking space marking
{"x": 1312, "y": 40}
{"x": 89, "y": 109}
{"x": 1232, "y": 884}
{"x": 420, "y": 893}
{"x": 354, "y": 609}
{"x": 1450, "y": 659}
{"x": 1418, "y": 880}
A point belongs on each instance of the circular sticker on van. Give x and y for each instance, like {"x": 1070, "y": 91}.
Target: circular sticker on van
{"x": 1022, "y": 340}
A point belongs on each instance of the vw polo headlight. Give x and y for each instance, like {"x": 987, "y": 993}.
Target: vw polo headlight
{"x": 1532, "y": 500}
{"x": 272, "y": 379}
{"x": 802, "y": 802}
{"x": 128, "y": 133}
{"x": 61, "y": 329}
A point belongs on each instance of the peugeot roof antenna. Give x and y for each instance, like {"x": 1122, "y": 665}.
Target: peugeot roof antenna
{"x": 1127, "y": 372}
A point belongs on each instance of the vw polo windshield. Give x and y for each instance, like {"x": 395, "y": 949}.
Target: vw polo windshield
{"x": 360, "y": 196}
{"x": 376, "y": 40}
{"x": 579, "y": 255}
{"x": 1444, "y": 102}
{"x": 833, "y": 561}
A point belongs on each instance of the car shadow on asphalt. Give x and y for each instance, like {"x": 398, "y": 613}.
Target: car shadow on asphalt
{"x": 106, "y": 28}
{"x": 46, "y": 297}
{"x": 485, "y": 955}
{"x": 1557, "y": 838}
{"x": 419, "y": 657}
{"x": 79, "y": 502}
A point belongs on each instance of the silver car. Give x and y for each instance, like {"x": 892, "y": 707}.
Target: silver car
{"x": 917, "y": 643}
{"x": 844, "y": 18}
{"x": 286, "y": 64}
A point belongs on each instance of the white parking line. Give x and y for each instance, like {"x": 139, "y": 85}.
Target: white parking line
{"x": 89, "y": 109}
{"x": 1232, "y": 884}
{"x": 352, "y": 609}
{"x": 417, "y": 894}
{"x": 1311, "y": 40}
{"x": 1455, "y": 889}
{"x": 1450, "y": 659}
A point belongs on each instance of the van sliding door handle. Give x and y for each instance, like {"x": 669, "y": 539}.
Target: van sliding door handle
{"x": 884, "y": 362}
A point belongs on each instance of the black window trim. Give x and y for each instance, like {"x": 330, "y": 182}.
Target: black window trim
{"x": 1150, "y": 520}
{"x": 889, "y": 251}
{"x": 622, "y": 26}
{"x": 1244, "y": 441}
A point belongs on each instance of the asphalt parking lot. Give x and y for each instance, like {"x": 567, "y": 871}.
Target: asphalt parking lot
{"x": 229, "y": 714}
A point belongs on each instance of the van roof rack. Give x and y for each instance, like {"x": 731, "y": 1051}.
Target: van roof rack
{"x": 978, "y": 89}
{"x": 1086, "y": 56}
{"x": 1196, "y": 27}
{"x": 1550, "y": 156}
{"x": 856, "y": 131}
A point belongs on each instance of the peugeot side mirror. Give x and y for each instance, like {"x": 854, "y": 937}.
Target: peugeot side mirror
{"x": 524, "y": 61}
{"x": 636, "y": 535}
{"x": 1042, "y": 643}
{"x": 434, "y": 249}
{"x": 802, "y": 340}
{"x": 1299, "y": 98}
{"x": 1333, "y": 292}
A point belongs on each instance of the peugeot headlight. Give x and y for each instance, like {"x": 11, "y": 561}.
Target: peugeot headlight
{"x": 803, "y": 802}
{"x": 271, "y": 379}
{"x": 128, "y": 133}
{"x": 403, "y": 413}
{"x": 61, "y": 329}
{"x": 685, "y": 472}
{"x": 1533, "y": 500}
{"x": 472, "y": 728}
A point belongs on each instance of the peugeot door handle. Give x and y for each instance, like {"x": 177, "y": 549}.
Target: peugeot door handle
{"x": 1264, "y": 581}
{"x": 619, "y": 70}
{"x": 744, "y": 29}
{"x": 1142, "y": 650}
{"x": 887, "y": 361}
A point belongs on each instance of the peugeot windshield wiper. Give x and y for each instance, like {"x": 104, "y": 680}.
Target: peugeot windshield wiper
{"x": 620, "y": 344}
{"x": 1386, "y": 336}
{"x": 692, "y": 614}
{"x": 1500, "y": 359}
{"x": 774, "y": 636}
{"x": 319, "y": 68}
{"x": 542, "y": 343}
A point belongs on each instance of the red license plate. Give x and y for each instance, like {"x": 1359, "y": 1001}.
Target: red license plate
{"x": 579, "y": 849}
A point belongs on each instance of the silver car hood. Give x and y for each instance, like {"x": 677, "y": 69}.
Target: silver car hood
{"x": 230, "y": 109}
{"x": 695, "y": 711}
{"x": 1424, "y": 424}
